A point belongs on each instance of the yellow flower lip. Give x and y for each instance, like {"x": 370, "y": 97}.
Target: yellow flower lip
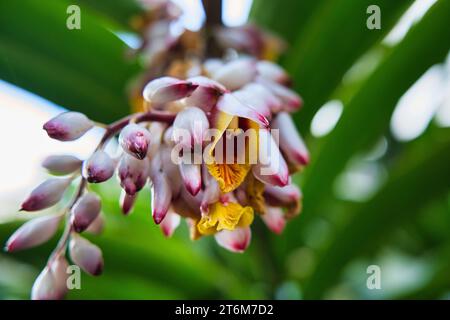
{"x": 225, "y": 217}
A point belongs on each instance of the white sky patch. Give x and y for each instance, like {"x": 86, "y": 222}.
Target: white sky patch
{"x": 326, "y": 118}
{"x": 235, "y": 12}
{"x": 418, "y": 105}
{"x": 409, "y": 18}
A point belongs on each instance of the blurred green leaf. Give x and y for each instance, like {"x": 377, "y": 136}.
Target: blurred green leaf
{"x": 295, "y": 15}
{"x": 367, "y": 115}
{"x": 83, "y": 70}
{"x": 417, "y": 178}
{"x": 120, "y": 11}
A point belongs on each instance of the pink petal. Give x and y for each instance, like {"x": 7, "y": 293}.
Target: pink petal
{"x": 237, "y": 240}
{"x": 170, "y": 222}
{"x": 274, "y": 219}
{"x": 233, "y": 106}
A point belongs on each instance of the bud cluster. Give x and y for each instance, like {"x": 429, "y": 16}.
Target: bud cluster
{"x": 215, "y": 197}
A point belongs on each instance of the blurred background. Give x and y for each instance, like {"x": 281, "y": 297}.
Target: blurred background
{"x": 376, "y": 119}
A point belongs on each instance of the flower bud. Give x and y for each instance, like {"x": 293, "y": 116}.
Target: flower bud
{"x": 170, "y": 222}
{"x": 212, "y": 65}
{"x": 86, "y": 255}
{"x": 45, "y": 287}
{"x": 99, "y": 167}
{"x": 236, "y": 73}
{"x": 156, "y": 130}
{"x": 191, "y": 177}
{"x": 267, "y": 97}
{"x": 59, "y": 269}
{"x": 127, "y": 202}
{"x": 207, "y": 93}
{"x": 190, "y": 127}
{"x": 272, "y": 71}
{"x": 274, "y": 219}
{"x": 282, "y": 195}
{"x": 166, "y": 89}
{"x": 291, "y": 143}
{"x": 68, "y": 126}
{"x": 47, "y": 194}
{"x": 236, "y": 240}
{"x": 228, "y": 103}
{"x": 133, "y": 173}
{"x": 97, "y": 226}
{"x": 271, "y": 167}
{"x": 161, "y": 196}
{"x": 254, "y": 101}
{"x": 62, "y": 164}
{"x": 85, "y": 211}
{"x": 33, "y": 233}
{"x": 135, "y": 140}
{"x": 291, "y": 100}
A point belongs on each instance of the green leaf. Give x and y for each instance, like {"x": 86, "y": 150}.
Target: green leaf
{"x": 121, "y": 12}
{"x": 332, "y": 40}
{"x": 366, "y": 117}
{"x": 84, "y": 70}
{"x": 418, "y": 178}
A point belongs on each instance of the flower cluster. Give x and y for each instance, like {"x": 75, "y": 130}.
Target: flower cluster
{"x": 216, "y": 145}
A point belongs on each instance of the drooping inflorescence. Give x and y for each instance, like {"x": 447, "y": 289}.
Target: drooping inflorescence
{"x": 212, "y": 137}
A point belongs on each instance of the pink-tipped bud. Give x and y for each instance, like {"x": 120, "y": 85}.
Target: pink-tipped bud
{"x": 47, "y": 194}
{"x": 46, "y": 287}
{"x": 266, "y": 96}
{"x": 291, "y": 143}
{"x": 283, "y": 196}
{"x": 207, "y": 93}
{"x": 272, "y": 71}
{"x": 99, "y": 167}
{"x": 228, "y": 103}
{"x": 237, "y": 240}
{"x": 33, "y": 233}
{"x": 236, "y": 73}
{"x": 254, "y": 101}
{"x": 274, "y": 219}
{"x": 97, "y": 226}
{"x": 210, "y": 195}
{"x": 85, "y": 211}
{"x": 170, "y": 222}
{"x": 192, "y": 177}
{"x": 127, "y": 202}
{"x": 133, "y": 173}
{"x": 156, "y": 130}
{"x": 63, "y": 164}
{"x": 291, "y": 100}
{"x": 166, "y": 89}
{"x": 68, "y": 126}
{"x": 135, "y": 140}
{"x": 271, "y": 167}
{"x": 59, "y": 269}
{"x": 190, "y": 127}
{"x": 86, "y": 255}
{"x": 161, "y": 196}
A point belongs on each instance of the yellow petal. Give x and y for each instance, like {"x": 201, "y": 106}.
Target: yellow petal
{"x": 254, "y": 190}
{"x": 229, "y": 176}
{"x": 225, "y": 217}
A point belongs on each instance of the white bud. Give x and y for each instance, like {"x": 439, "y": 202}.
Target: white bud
{"x": 85, "y": 211}
{"x": 68, "y": 126}
{"x": 47, "y": 194}
{"x": 33, "y": 233}
{"x": 63, "y": 164}
{"x": 166, "y": 89}
{"x": 86, "y": 255}
{"x": 135, "y": 140}
{"x": 99, "y": 167}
